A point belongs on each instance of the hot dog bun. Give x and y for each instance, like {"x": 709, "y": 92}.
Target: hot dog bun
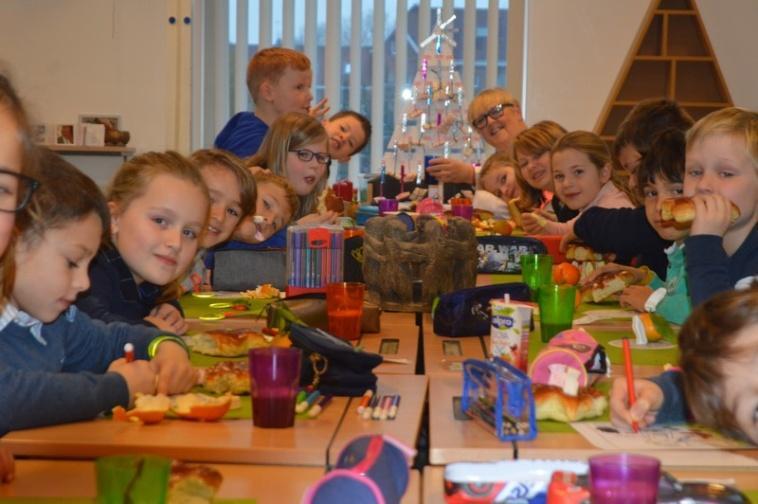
{"x": 680, "y": 212}
{"x": 552, "y": 404}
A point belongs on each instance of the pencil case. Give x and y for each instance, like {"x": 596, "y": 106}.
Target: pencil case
{"x": 498, "y": 396}
{"x": 370, "y": 470}
{"x": 502, "y": 254}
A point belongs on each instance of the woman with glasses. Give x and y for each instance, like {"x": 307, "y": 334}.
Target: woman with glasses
{"x": 15, "y": 189}
{"x": 496, "y": 116}
{"x": 296, "y": 148}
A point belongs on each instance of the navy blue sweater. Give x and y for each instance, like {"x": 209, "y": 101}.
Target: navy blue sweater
{"x": 710, "y": 270}
{"x": 242, "y": 135}
{"x": 65, "y": 379}
{"x": 113, "y": 295}
{"x": 625, "y": 232}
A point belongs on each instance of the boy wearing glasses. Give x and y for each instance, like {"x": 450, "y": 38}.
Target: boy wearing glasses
{"x": 496, "y": 116}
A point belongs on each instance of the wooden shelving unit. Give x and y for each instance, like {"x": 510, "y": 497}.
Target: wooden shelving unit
{"x": 84, "y": 149}
{"x": 671, "y": 57}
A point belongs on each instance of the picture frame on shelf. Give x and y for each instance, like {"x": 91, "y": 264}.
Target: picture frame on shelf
{"x": 43, "y": 134}
{"x": 110, "y": 121}
{"x": 65, "y": 134}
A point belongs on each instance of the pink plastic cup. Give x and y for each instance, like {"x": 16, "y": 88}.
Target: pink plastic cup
{"x": 624, "y": 478}
{"x": 274, "y": 379}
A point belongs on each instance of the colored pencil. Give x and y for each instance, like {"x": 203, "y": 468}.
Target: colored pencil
{"x": 629, "y": 379}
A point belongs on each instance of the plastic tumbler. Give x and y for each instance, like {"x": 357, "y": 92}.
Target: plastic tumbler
{"x": 387, "y": 205}
{"x": 556, "y": 304}
{"x": 623, "y": 477}
{"x": 132, "y": 478}
{"x": 274, "y": 379}
{"x": 536, "y": 270}
{"x": 344, "y": 309}
{"x": 462, "y": 207}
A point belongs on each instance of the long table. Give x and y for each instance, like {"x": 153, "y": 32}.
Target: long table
{"x": 74, "y": 480}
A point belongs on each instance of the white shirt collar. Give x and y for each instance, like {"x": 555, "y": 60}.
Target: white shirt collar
{"x": 11, "y": 313}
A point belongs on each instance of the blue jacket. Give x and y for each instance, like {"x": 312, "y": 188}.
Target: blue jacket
{"x": 113, "y": 295}
{"x": 674, "y": 407}
{"x": 242, "y": 135}
{"x": 56, "y": 373}
{"x": 710, "y": 270}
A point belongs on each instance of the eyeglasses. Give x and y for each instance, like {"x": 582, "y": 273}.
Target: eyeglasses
{"x": 495, "y": 112}
{"x": 306, "y": 155}
{"x": 15, "y": 190}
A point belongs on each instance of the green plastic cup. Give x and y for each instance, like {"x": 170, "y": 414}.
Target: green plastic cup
{"x": 132, "y": 478}
{"x": 556, "y": 304}
{"x": 536, "y": 270}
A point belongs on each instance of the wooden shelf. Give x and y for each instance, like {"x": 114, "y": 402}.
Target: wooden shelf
{"x": 84, "y": 149}
{"x": 671, "y": 57}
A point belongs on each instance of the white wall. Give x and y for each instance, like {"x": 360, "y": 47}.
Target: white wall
{"x": 575, "y": 50}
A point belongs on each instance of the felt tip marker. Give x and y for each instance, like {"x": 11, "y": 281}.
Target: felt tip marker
{"x": 377, "y": 413}
{"x": 395, "y": 406}
{"x": 304, "y": 405}
{"x": 370, "y": 408}
{"x": 365, "y": 400}
{"x": 129, "y": 352}
{"x": 629, "y": 379}
{"x": 386, "y": 404}
{"x": 319, "y": 407}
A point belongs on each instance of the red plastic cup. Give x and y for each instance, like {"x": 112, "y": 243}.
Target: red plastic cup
{"x": 274, "y": 379}
{"x": 344, "y": 309}
{"x": 623, "y": 477}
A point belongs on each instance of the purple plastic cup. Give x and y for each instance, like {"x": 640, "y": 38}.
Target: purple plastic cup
{"x": 387, "y": 205}
{"x": 274, "y": 379}
{"x": 463, "y": 211}
{"x": 624, "y": 478}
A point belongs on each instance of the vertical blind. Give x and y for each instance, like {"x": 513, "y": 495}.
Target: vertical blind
{"x": 220, "y": 63}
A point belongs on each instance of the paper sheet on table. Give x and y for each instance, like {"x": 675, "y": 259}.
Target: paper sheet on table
{"x": 595, "y": 315}
{"x": 679, "y": 445}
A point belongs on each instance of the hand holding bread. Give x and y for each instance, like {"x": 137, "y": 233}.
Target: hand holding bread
{"x": 649, "y": 398}
{"x": 173, "y": 369}
{"x": 703, "y": 213}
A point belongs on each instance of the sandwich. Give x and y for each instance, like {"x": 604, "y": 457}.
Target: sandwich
{"x": 607, "y": 285}
{"x": 680, "y": 212}
{"x": 551, "y": 403}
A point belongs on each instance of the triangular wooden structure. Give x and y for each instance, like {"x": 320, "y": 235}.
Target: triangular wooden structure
{"x": 671, "y": 57}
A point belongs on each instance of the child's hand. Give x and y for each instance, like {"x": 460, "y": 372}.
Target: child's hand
{"x": 327, "y": 217}
{"x": 533, "y": 223}
{"x": 639, "y": 275}
{"x": 635, "y": 296}
{"x": 713, "y": 214}
{"x": 649, "y": 401}
{"x": 173, "y": 369}
{"x": 166, "y": 317}
{"x": 451, "y": 170}
{"x": 567, "y": 238}
{"x": 7, "y": 466}
{"x": 320, "y": 109}
{"x": 138, "y": 374}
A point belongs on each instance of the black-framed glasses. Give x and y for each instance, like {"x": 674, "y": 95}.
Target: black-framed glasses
{"x": 495, "y": 112}
{"x": 306, "y": 155}
{"x": 15, "y": 190}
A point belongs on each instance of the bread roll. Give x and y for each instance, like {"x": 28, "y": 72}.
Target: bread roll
{"x": 608, "y": 284}
{"x": 680, "y": 212}
{"x": 552, "y": 404}
{"x": 193, "y": 484}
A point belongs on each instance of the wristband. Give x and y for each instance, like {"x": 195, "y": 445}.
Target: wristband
{"x": 152, "y": 348}
{"x": 654, "y": 299}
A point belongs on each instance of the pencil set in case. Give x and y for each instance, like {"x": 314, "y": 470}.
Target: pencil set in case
{"x": 499, "y": 397}
{"x": 314, "y": 258}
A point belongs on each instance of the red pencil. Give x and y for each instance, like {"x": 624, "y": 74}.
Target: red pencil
{"x": 629, "y": 379}
{"x": 129, "y": 352}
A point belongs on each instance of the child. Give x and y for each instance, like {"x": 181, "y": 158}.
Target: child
{"x": 659, "y": 177}
{"x": 159, "y": 212}
{"x": 532, "y": 154}
{"x": 497, "y": 185}
{"x": 721, "y": 170}
{"x": 232, "y": 191}
{"x": 583, "y": 177}
{"x": 634, "y": 235}
{"x": 279, "y": 81}
{"x": 16, "y": 151}
{"x": 57, "y": 364}
{"x": 717, "y": 385}
{"x": 276, "y": 204}
{"x": 348, "y": 133}
{"x": 639, "y": 128}
{"x": 496, "y": 115}
{"x": 296, "y": 148}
